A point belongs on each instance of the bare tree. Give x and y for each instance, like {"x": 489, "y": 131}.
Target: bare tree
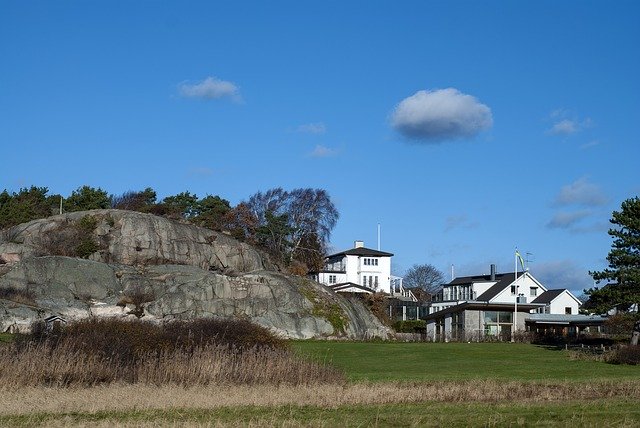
{"x": 298, "y": 222}
{"x": 425, "y": 277}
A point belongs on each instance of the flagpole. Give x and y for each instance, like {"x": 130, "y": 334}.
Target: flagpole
{"x": 515, "y": 280}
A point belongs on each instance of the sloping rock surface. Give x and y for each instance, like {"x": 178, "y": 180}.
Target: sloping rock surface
{"x": 161, "y": 270}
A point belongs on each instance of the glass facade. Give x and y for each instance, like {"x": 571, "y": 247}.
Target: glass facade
{"x": 497, "y": 323}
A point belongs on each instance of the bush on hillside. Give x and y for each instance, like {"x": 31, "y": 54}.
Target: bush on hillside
{"x": 129, "y": 340}
{"x": 205, "y": 351}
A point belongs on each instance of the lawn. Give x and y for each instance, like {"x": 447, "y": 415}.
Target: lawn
{"x": 390, "y": 384}
{"x": 393, "y": 361}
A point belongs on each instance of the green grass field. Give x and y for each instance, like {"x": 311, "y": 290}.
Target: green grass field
{"x": 392, "y": 361}
{"x": 542, "y": 386}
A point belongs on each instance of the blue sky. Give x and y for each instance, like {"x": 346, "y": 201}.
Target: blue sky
{"x": 464, "y": 128}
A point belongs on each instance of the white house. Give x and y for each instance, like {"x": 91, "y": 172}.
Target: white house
{"x": 361, "y": 270}
{"x": 560, "y": 301}
{"x": 491, "y": 305}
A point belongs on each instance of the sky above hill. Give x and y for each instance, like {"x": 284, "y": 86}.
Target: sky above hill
{"x": 464, "y": 128}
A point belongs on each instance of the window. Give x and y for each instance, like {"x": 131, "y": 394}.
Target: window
{"x": 332, "y": 279}
{"x": 497, "y": 323}
{"x": 457, "y": 326}
{"x": 567, "y": 311}
{"x": 533, "y": 291}
{"x": 513, "y": 290}
{"x": 376, "y": 282}
{"x": 375, "y": 262}
{"x": 370, "y": 281}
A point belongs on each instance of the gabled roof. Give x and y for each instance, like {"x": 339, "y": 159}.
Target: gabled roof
{"x": 362, "y": 251}
{"x": 346, "y": 285}
{"x": 504, "y": 280}
{"x": 475, "y": 278}
{"x": 548, "y": 296}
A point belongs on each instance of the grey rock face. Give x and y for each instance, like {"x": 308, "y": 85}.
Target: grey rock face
{"x": 163, "y": 270}
{"x": 133, "y": 238}
{"x": 75, "y": 288}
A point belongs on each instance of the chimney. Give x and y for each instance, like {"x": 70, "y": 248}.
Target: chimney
{"x": 358, "y": 244}
{"x": 493, "y": 272}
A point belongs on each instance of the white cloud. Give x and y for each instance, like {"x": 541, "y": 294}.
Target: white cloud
{"x": 581, "y": 192}
{"x": 210, "y": 88}
{"x": 567, "y": 219}
{"x": 322, "y": 152}
{"x": 566, "y": 123}
{"x": 312, "y": 128}
{"x": 562, "y": 274}
{"x": 590, "y": 144}
{"x": 564, "y": 127}
{"x": 442, "y": 114}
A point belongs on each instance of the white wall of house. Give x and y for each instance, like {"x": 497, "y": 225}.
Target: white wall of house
{"x": 524, "y": 286}
{"x": 331, "y": 278}
{"x": 481, "y": 287}
{"x": 373, "y": 272}
{"x": 563, "y": 303}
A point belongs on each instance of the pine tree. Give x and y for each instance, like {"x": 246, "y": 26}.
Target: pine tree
{"x": 623, "y": 273}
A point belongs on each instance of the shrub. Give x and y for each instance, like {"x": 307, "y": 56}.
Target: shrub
{"x": 203, "y": 351}
{"x": 620, "y": 326}
{"x": 410, "y": 326}
{"x": 629, "y": 354}
{"x": 72, "y": 239}
{"x": 377, "y": 304}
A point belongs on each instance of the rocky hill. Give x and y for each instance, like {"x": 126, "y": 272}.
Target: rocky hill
{"x": 130, "y": 264}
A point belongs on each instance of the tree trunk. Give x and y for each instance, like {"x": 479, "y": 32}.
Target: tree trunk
{"x": 636, "y": 333}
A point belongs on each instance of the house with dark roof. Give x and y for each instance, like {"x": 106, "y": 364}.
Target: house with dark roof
{"x": 559, "y": 301}
{"x": 358, "y": 270}
{"x": 361, "y": 270}
{"x": 476, "y": 306}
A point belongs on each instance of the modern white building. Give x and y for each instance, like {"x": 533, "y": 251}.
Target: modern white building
{"x": 491, "y": 305}
{"x": 361, "y": 270}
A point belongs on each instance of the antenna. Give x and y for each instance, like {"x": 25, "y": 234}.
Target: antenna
{"x": 378, "y": 236}
{"x": 527, "y": 260}
{"x": 453, "y": 274}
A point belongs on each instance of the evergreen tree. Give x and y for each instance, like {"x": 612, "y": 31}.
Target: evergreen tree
{"x": 87, "y": 198}
{"x": 28, "y": 204}
{"x": 623, "y": 274}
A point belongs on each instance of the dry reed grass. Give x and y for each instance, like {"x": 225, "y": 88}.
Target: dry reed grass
{"x": 141, "y": 397}
{"x": 64, "y": 366}
{"x": 198, "y": 352}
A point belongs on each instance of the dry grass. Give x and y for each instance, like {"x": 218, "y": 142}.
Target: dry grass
{"x": 141, "y": 397}
{"x": 209, "y": 364}
{"x": 199, "y": 352}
